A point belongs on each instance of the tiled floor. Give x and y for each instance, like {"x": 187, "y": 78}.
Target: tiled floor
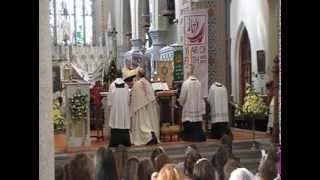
{"x": 239, "y": 135}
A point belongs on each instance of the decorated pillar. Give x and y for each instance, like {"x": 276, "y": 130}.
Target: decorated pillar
{"x": 135, "y": 57}
{"x": 157, "y": 32}
{"x": 46, "y": 145}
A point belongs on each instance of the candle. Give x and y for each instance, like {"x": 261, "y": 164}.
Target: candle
{"x": 190, "y": 55}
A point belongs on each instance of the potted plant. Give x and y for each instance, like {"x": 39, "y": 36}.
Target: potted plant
{"x": 254, "y": 110}
{"x": 59, "y": 128}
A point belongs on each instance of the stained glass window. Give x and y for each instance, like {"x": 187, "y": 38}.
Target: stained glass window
{"x": 71, "y": 22}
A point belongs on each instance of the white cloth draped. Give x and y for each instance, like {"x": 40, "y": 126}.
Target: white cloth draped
{"x": 218, "y": 100}
{"x": 144, "y": 113}
{"x": 119, "y": 113}
{"x": 191, "y": 100}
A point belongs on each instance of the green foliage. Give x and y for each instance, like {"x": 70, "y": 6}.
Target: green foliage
{"x": 78, "y": 106}
{"x": 253, "y": 106}
{"x": 58, "y": 120}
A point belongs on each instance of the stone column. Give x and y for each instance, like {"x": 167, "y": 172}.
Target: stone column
{"x": 136, "y": 11}
{"x": 46, "y": 146}
{"x": 158, "y": 35}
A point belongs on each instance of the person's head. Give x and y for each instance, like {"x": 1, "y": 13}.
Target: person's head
{"x": 98, "y": 83}
{"x": 190, "y": 70}
{"x": 267, "y": 169}
{"x": 241, "y": 174}
{"x": 230, "y": 166}
{"x": 161, "y": 160}
{"x": 119, "y": 74}
{"x": 219, "y": 159}
{"x": 226, "y": 141}
{"x": 106, "y": 166}
{"x": 59, "y": 173}
{"x": 145, "y": 169}
{"x": 269, "y": 87}
{"x": 203, "y": 170}
{"x": 82, "y": 168}
{"x": 140, "y": 72}
{"x": 132, "y": 168}
{"x": 60, "y": 100}
{"x": 170, "y": 172}
{"x": 191, "y": 158}
{"x": 158, "y": 150}
{"x": 121, "y": 156}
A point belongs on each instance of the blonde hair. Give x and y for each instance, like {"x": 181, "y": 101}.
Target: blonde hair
{"x": 170, "y": 172}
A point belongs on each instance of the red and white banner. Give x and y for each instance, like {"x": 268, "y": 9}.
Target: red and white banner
{"x": 196, "y": 42}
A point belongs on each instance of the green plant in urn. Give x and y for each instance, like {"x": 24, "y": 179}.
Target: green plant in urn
{"x": 78, "y": 106}
{"x": 58, "y": 120}
{"x": 253, "y": 107}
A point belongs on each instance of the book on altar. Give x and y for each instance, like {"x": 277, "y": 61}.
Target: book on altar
{"x": 158, "y": 86}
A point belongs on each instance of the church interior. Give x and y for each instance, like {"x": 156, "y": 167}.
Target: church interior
{"x": 162, "y": 82}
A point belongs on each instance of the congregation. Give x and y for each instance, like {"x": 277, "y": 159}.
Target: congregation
{"x": 114, "y": 164}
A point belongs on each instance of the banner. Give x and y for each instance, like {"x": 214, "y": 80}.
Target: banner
{"x": 196, "y": 45}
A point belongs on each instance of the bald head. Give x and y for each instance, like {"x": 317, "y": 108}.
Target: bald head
{"x": 140, "y": 72}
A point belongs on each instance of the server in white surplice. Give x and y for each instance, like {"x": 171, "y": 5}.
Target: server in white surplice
{"x": 119, "y": 114}
{"x": 218, "y": 100}
{"x": 193, "y": 105}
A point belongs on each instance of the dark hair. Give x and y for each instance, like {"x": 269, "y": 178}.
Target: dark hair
{"x": 268, "y": 168}
{"x": 132, "y": 168}
{"x": 119, "y": 74}
{"x": 226, "y": 141}
{"x": 59, "y": 173}
{"x": 107, "y": 169}
{"x": 60, "y": 100}
{"x": 121, "y": 157}
{"x": 219, "y": 159}
{"x": 158, "y": 150}
{"x": 191, "y": 158}
{"x": 82, "y": 168}
{"x": 203, "y": 170}
{"x": 145, "y": 169}
{"x": 229, "y": 167}
{"x": 161, "y": 160}
{"x": 269, "y": 84}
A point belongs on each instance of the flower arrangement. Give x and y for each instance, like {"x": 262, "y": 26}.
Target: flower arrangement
{"x": 253, "y": 106}
{"x": 58, "y": 120}
{"x": 78, "y": 106}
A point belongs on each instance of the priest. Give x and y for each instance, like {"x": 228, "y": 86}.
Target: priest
{"x": 218, "y": 100}
{"x": 119, "y": 114}
{"x": 144, "y": 112}
{"x": 193, "y": 108}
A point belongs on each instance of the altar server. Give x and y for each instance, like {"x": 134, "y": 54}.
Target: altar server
{"x": 119, "y": 114}
{"x": 218, "y": 100}
{"x": 193, "y": 108}
{"x": 144, "y": 112}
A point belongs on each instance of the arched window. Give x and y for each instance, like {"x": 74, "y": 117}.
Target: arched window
{"x": 71, "y": 22}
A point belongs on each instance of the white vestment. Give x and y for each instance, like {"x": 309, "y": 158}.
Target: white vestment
{"x": 218, "y": 100}
{"x": 144, "y": 113}
{"x": 119, "y": 112}
{"x": 270, "y": 117}
{"x": 192, "y": 100}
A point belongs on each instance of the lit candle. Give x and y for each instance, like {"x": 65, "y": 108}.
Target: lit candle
{"x": 190, "y": 55}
